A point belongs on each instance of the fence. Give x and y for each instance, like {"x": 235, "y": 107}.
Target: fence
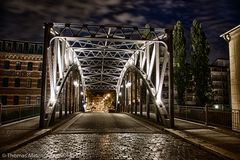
{"x": 10, "y": 113}
{"x": 216, "y": 117}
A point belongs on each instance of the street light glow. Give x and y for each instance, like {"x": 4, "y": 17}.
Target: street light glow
{"x": 75, "y": 83}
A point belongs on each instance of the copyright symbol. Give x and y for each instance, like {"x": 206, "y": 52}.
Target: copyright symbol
{"x": 4, "y": 155}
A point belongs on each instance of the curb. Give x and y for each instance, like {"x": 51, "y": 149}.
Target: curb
{"x": 222, "y": 153}
{"x": 37, "y": 135}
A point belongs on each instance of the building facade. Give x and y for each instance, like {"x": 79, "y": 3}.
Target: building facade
{"x": 219, "y": 71}
{"x": 20, "y": 72}
{"x": 233, "y": 38}
{"x": 220, "y": 81}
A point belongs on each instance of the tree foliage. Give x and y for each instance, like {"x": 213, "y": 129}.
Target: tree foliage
{"x": 179, "y": 55}
{"x": 199, "y": 64}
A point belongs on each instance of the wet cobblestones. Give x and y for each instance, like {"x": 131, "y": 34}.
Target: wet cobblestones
{"x": 130, "y": 146}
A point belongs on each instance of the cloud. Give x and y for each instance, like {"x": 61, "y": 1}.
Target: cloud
{"x": 23, "y": 19}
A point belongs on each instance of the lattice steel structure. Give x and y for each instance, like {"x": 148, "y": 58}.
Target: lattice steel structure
{"x": 102, "y": 55}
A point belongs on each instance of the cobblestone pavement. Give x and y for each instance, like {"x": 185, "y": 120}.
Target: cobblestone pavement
{"x": 106, "y": 143}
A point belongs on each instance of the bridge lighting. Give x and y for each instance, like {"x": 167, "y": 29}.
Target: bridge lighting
{"x": 118, "y": 102}
{"x": 57, "y": 88}
{"x": 120, "y": 93}
{"x": 52, "y": 100}
{"x": 81, "y": 93}
{"x": 108, "y": 95}
{"x": 128, "y": 84}
{"x": 158, "y": 101}
{"x": 75, "y": 83}
{"x": 121, "y": 86}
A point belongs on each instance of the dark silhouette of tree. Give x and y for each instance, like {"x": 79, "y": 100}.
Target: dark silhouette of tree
{"x": 180, "y": 68}
{"x": 199, "y": 64}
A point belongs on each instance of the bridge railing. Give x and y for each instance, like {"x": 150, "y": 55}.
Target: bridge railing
{"x": 216, "y": 117}
{"x": 11, "y": 113}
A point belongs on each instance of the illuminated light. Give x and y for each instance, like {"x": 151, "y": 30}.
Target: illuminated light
{"x": 121, "y": 86}
{"x": 108, "y": 95}
{"x": 57, "y": 88}
{"x": 85, "y": 106}
{"x": 120, "y": 94}
{"x": 216, "y": 106}
{"x": 118, "y": 102}
{"x": 158, "y": 101}
{"x": 52, "y": 100}
{"x": 75, "y": 83}
{"x": 128, "y": 84}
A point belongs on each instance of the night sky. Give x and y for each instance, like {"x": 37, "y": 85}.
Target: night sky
{"x": 23, "y": 19}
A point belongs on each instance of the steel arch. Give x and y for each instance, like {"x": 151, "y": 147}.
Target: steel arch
{"x": 102, "y": 54}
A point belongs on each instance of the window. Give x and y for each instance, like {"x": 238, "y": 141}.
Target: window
{"x": 38, "y": 101}
{"x": 6, "y": 64}
{"x": 40, "y": 49}
{"x": 29, "y": 66}
{"x": 29, "y": 83}
{"x": 32, "y": 48}
{"x": 39, "y": 83}
{"x": 16, "y": 100}
{"x": 20, "y": 47}
{"x": 4, "y": 100}
{"x": 27, "y": 100}
{"x": 40, "y": 67}
{"x": 5, "y": 82}
{"x": 17, "y": 82}
{"x": 18, "y": 65}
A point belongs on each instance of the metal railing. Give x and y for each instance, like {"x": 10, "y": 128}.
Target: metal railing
{"x": 207, "y": 115}
{"x": 11, "y": 113}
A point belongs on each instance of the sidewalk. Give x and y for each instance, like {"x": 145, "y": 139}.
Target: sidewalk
{"x": 17, "y": 134}
{"x": 222, "y": 142}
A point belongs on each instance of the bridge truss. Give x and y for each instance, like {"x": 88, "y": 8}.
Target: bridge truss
{"x": 102, "y": 55}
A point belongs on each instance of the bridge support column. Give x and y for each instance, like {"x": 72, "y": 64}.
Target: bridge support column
{"x": 47, "y": 27}
{"x": 60, "y": 105}
{"x": 132, "y": 105}
{"x": 70, "y": 94}
{"x": 141, "y": 97}
{"x": 136, "y": 87}
{"x": 171, "y": 89}
{"x": 66, "y": 97}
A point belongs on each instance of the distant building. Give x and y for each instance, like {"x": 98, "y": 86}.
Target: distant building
{"x": 20, "y": 72}
{"x": 219, "y": 70}
{"x": 220, "y": 81}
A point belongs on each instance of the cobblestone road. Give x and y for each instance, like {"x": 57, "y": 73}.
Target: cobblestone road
{"x": 111, "y": 136}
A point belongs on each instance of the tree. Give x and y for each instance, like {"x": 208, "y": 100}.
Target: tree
{"x": 179, "y": 55}
{"x": 199, "y": 64}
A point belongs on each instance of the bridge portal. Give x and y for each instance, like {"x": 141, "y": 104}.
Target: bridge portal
{"x": 132, "y": 62}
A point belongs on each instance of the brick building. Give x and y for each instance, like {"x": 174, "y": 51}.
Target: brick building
{"x": 20, "y": 72}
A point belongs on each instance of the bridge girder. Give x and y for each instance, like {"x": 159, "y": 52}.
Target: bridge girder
{"x": 103, "y": 54}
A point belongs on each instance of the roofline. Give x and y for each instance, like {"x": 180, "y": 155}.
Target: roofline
{"x": 231, "y": 30}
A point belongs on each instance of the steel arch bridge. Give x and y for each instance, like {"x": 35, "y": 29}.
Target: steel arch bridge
{"x": 102, "y": 57}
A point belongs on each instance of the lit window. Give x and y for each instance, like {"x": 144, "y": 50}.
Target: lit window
{"x": 38, "y": 100}
{"x": 27, "y": 100}
{"x": 18, "y": 65}
{"x": 29, "y": 83}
